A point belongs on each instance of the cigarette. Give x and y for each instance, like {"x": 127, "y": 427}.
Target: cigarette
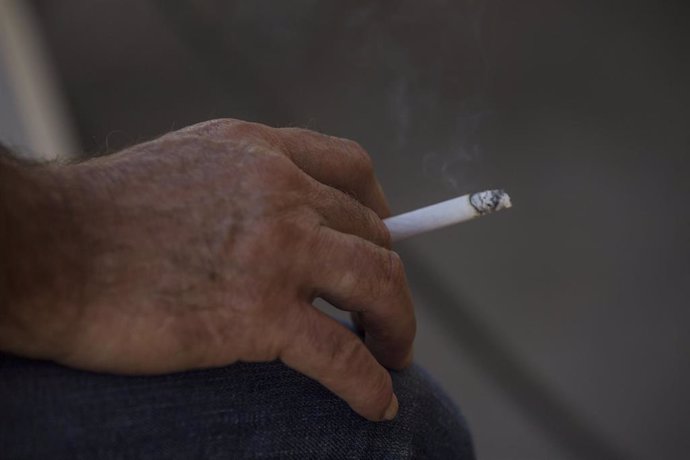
{"x": 446, "y": 213}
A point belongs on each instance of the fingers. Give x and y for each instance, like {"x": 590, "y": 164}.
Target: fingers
{"x": 343, "y": 213}
{"x": 358, "y": 276}
{"x": 339, "y": 163}
{"x": 324, "y": 350}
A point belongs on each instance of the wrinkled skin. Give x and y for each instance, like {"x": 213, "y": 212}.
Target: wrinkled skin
{"x": 205, "y": 247}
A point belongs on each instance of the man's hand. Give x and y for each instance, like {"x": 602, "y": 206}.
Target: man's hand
{"x": 205, "y": 247}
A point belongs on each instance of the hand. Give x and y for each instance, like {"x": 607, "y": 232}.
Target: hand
{"x": 208, "y": 246}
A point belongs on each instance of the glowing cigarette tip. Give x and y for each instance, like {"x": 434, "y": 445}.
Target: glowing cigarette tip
{"x": 446, "y": 213}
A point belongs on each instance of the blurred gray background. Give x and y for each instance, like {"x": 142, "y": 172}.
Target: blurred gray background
{"x": 559, "y": 327}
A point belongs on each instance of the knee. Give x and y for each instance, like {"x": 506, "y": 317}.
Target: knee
{"x": 428, "y": 425}
{"x": 435, "y": 424}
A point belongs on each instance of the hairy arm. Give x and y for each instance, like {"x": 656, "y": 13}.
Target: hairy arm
{"x": 38, "y": 260}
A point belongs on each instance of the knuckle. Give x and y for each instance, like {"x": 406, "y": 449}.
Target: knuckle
{"x": 244, "y": 130}
{"x": 361, "y": 159}
{"x": 214, "y": 126}
{"x": 268, "y": 133}
{"x": 295, "y": 131}
{"x": 292, "y": 138}
{"x": 393, "y": 272}
{"x": 272, "y": 172}
{"x": 229, "y": 128}
{"x": 223, "y": 123}
{"x": 270, "y": 163}
{"x": 383, "y": 235}
{"x": 369, "y": 224}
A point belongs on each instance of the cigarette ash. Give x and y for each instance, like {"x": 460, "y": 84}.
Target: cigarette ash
{"x": 489, "y": 201}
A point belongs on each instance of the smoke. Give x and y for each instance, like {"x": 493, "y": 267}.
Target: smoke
{"x": 400, "y": 106}
{"x": 458, "y": 164}
{"x": 439, "y": 104}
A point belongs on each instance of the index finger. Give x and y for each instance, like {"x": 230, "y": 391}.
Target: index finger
{"x": 337, "y": 162}
{"x": 356, "y": 275}
{"x": 326, "y": 351}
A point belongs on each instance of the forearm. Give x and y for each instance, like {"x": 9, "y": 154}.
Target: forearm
{"x": 31, "y": 263}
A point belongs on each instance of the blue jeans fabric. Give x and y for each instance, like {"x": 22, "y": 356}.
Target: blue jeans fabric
{"x": 263, "y": 410}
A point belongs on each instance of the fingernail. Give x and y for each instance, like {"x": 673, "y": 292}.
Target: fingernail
{"x": 392, "y": 410}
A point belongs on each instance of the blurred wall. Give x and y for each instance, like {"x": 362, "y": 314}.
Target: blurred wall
{"x": 33, "y": 118}
{"x": 560, "y": 327}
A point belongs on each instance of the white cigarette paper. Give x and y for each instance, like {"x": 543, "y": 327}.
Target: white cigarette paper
{"x": 446, "y": 213}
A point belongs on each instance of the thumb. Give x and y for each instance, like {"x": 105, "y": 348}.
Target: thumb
{"x": 329, "y": 353}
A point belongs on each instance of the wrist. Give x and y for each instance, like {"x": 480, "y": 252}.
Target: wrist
{"x": 38, "y": 274}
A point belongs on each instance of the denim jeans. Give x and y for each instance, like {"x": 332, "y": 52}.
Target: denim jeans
{"x": 244, "y": 410}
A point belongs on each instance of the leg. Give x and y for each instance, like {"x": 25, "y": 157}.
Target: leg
{"x": 239, "y": 411}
